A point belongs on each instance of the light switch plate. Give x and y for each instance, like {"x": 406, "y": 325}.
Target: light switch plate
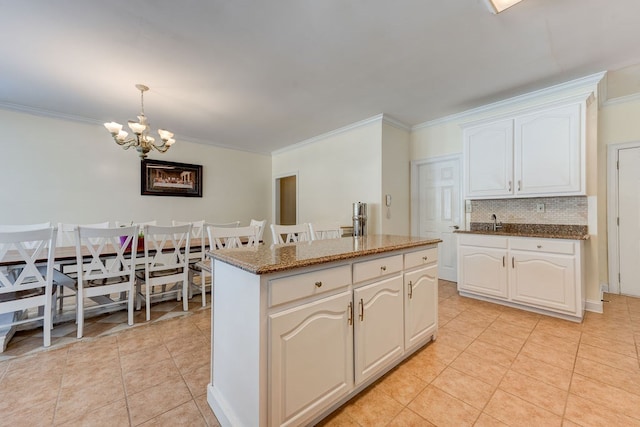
{"x": 467, "y": 206}
{"x": 540, "y": 207}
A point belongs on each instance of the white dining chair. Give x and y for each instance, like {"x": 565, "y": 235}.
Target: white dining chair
{"x": 25, "y": 284}
{"x": 228, "y": 238}
{"x": 290, "y": 233}
{"x": 261, "y": 225}
{"x": 104, "y": 276}
{"x": 166, "y": 262}
{"x": 326, "y": 230}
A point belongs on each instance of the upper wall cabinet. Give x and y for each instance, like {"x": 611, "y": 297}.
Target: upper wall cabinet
{"x": 536, "y": 153}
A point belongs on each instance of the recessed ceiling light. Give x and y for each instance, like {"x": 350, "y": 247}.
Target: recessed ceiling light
{"x": 497, "y": 6}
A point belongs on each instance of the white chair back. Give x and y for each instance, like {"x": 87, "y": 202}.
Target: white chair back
{"x": 66, "y": 232}
{"x": 227, "y": 238}
{"x": 197, "y": 232}
{"x": 25, "y": 227}
{"x": 261, "y": 225}
{"x": 27, "y": 284}
{"x": 321, "y": 231}
{"x": 291, "y": 233}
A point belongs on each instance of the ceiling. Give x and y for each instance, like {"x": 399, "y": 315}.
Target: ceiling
{"x": 261, "y": 75}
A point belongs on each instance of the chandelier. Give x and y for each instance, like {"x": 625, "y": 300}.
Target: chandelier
{"x": 141, "y": 140}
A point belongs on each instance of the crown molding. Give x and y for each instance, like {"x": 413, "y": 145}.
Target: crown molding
{"x": 592, "y": 79}
{"x": 395, "y": 123}
{"x": 634, "y": 97}
{"x": 47, "y": 113}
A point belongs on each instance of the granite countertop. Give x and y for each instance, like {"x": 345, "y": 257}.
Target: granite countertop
{"x": 266, "y": 259}
{"x": 547, "y": 231}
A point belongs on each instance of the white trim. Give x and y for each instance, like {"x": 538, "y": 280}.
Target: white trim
{"x": 594, "y": 306}
{"x": 634, "y": 97}
{"x": 395, "y": 123}
{"x": 612, "y": 212}
{"x": 592, "y": 80}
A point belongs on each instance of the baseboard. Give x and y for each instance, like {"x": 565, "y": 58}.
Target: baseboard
{"x": 594, "y": 306}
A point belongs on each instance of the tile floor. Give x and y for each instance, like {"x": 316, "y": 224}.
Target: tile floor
{"x": 490, "y": 366}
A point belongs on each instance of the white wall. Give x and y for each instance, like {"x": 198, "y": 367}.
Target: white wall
{"x": 335, "y": 171}
{"x": 395, "y": 181}
{"x": 63, "y": 171}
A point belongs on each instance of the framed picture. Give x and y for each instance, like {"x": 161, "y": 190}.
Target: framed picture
{"x": 161, "y": 178}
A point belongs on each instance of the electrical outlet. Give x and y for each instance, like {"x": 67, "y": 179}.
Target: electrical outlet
{"x": 467, "y": 206}
{"x": 540, "y": 207}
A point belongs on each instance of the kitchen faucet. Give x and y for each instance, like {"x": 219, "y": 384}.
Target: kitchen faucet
{"x": 496, "y": 225}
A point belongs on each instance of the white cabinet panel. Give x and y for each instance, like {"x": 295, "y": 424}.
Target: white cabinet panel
{"x": 311, "y": 360}
{"x": 545, "y": 280}
{"x": 548, "y": 152}
{"x": 420, "y": 305}
{"x": 488, "y": 158}
{"x": 483, "y": 271}
{"x": 379, "y": 326}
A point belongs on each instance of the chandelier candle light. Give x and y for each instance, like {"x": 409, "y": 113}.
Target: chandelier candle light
{"x": 142, "y": 141}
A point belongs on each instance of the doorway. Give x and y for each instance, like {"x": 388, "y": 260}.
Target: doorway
{"x": 286, "y": 200}
{"x": 436, "y": 207}
{"x": 624, "y": 219}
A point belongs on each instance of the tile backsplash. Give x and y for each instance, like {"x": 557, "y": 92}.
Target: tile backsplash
{"x": 557, "y": 210}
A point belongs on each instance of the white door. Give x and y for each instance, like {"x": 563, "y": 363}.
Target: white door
{"x": 629, "y": 214}
{"x": 437, "y": 208}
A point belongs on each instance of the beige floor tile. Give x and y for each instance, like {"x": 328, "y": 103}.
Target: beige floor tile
{"x": 454, "y": 340}
{"x": 75, "y": 402}
{"x": 550, "y": 355}
{"x": 545, "y": 339}
{"x": 536, "y": 392}
{"x": 149, "y": 375}
{"x": 423, "y": 367}
{"x": 440, "y": 351}
{"x": 585, "y": 413}
{"x": 627, "y": 348}
{"x": 113, "y": 414}
{"x": 606, "y": 395}
{"x": 626, "y": 380}
{"x": 198, "y": 379}
{"x": 186, "y": 415}
{"x": 187, "y": 362}
{"x": 502, "y": 326}
{"x": 464, "y": 328}
{"x": 465, "y": 387}
{"x": 609, "y": 358}
{"x": 485, "y": 420}
{"x": 549, "y": 374}
{"x": 515, "y": 411}
{"x": 408, "y": 418}
{"x": 480, "y": 368}
{"x": 496, "y": 354}
{"x": 157, "y": 400}
{"x": 150, "y": 355}
{"x": 339, "y": 418}
{"x": 500, "y": 339}
{"x": 442, "y": 409}
{"x": 40, "y": 414}
{"x": 521, "y": 318}
{"x": 373, "y": 408}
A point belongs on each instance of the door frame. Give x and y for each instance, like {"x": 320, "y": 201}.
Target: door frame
{"x": 275, "y": 197}
{"x": 415, "y": 196}
{"x": 612, "y": 213}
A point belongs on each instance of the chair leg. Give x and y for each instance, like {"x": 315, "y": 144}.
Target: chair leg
{"x": 203, "y": 285}
{"x": 80, "y": 313}
{"x": 185, "y": 290}
{"x": 148, "y": 300}
{"x": 47, "y": 323}
{"x": 132, "y": 293}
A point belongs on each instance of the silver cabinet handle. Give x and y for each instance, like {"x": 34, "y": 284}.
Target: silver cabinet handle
{"x": 383, "y": 268}
{"x": 424, "y": 258}
{"x": 361, "y": 310}
{"x": 350, "y": 313}
{"x": 539, "y": 246}
{"x": 513, "y": 262}
{"x": 519, "y": 185}
{"x": 509, "y": 186}
{"x": 410, "y": 289}
{"x": 503, "y": 257}
{"x": 318, "y": 284}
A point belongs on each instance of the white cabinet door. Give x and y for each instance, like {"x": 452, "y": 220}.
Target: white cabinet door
{"x": 483, "y": 271}
{"x": 420, "y": 305}
{"x": 311, "y": 358}
{"x": 544, "y": 280}
{"x": 548, "y": 152}
{"x": 378, "y": 326}
{"x": 488, "y": 160}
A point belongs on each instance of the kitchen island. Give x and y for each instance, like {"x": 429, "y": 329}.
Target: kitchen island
{"x": 299, "y": 329}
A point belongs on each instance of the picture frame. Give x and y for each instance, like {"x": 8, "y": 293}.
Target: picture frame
{"x": 161, "y": 178}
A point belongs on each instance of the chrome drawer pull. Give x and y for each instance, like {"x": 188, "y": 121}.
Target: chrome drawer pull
{"x": 383, "y": 268}
{"x": 410, "y": 289}
{"x": 318, "y": 284}
{"x": 424, "y": 258}
{"x": 539, "y": 246}
{"x": 361, "y": 310}
{"x": 350, "y": 313}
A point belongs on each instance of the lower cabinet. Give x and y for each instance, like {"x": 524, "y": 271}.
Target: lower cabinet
{"x": 323, "y": 349}
{"x": 311, "y": 360}
{"x": 378, "y": 326}
{"x": 535, "y": 273}
{"x": 421, "y": 291}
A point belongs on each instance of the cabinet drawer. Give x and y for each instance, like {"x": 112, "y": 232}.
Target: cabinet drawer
{"x": 304, "y": 285}
{"x": 376, "y": 268}
{"x": 418, "y": 258}
{"x": 543, "y": 245}
{"x": 483, "y": 240}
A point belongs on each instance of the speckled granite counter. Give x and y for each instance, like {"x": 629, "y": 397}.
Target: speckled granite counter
{"x": 265, "y": 259}
{"x": 547, "y": 231}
